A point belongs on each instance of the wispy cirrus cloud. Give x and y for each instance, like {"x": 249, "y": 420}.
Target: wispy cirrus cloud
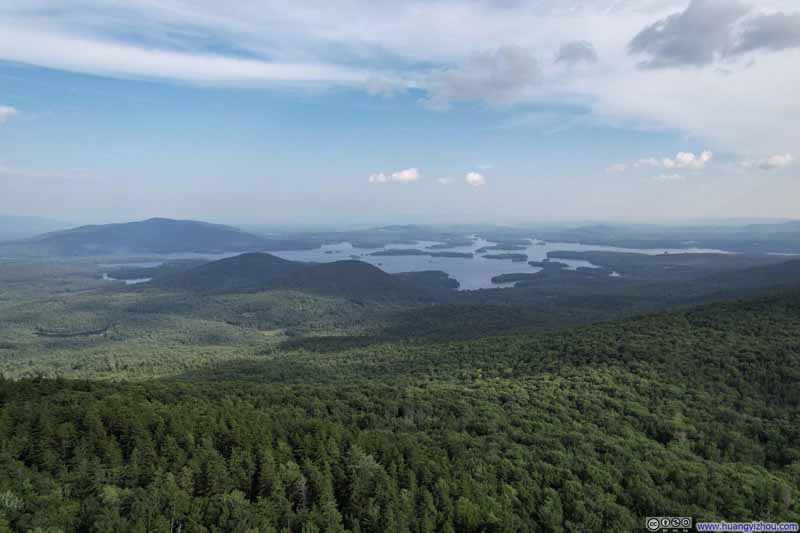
{"x": 455, "y": 51}
{"x": 119, "y": 59}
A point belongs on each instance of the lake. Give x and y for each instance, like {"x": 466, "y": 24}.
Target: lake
{"x": 472, "y": 274}
{"x": 135, "y": 281}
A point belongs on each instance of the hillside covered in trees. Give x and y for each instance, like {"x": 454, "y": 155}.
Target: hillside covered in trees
{"x": 584, "y": 430}
{"x": 255, "y": 393}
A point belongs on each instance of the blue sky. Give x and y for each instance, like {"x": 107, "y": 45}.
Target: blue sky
{"x": 445, "y": 111}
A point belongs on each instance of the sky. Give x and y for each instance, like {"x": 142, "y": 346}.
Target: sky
{"x": 379, "y": 111}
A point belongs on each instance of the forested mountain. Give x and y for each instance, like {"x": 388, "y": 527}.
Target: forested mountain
{"x": 451, "y": 266}
{"x": 348, "y": 276}
{"x": 155, "y": 235}
{"x": 254, "y": 393}
{"x": 588, "y": 430}
{"x": 672, "y": 266}
{"x": 249, "y": 271}
{"x": 261, "y": 271}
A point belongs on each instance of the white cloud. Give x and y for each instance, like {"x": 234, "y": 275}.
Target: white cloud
{"x": 576, "y": 52}
{"x": 6, "y": 112}
{"x": 682, "y": 160}
{"x": 688, "y": 160}
{"x": 475, "y": 179}
{"x": 444, "y": 181}
{"x": 740, "y": 112}
{"x": 116, "y": 59}
{"x": 450, "y": 50}
{"x": 408, "y": 175}
{"x": 712, "y": 30}
{"x": 693, "y": 37}
{"x": 769, "y": 163}
{"x": 501, "y": 76}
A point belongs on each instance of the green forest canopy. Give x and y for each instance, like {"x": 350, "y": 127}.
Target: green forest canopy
{"x": 584, "y": 430}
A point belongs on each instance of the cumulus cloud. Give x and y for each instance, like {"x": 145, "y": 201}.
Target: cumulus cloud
{"x": 688, "y": 160}
{"x": 475, "y": 179}
{"x": 444, "y": 181}
{"x": 6, "y": 112}
{"x": 709, "y": 30}
{"x": 769, "y": 163}
{"x": 695, "y": 36}
{"x": 408, "y": 175}
{"x": 682, "y": 160}
{"x": 501, "y": 76}
{"x": 775, "y": 31}
{"x": 575, "y": 52}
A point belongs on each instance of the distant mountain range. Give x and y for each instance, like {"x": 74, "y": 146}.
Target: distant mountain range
{"x": 154, "y": 236}
{"x": 165, "y": 236}
{"x": 779, "y": 237}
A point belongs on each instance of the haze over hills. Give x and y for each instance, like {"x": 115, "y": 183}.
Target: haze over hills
{"x": 456, "y": 266}
{"x": 340, "y": 387}
{"x": 21, "y": 227}
{"x": 168, "y": 236}
{"x": 767, "y": 237}
{"x": 155, "y": 235}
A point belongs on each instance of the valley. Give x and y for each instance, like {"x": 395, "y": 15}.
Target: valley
{"x": 452, "y": 266}
{"x": 315, "y": 389}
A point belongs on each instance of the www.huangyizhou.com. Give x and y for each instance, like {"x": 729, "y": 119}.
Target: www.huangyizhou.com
{"x": 747, "y": 526}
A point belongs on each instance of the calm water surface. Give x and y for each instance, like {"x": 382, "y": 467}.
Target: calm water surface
{"x": 472, "y": 274}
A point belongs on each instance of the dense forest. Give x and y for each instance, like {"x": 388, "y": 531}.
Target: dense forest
{"x": 583, "y": 430}
{"x": 254, "y": 393}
